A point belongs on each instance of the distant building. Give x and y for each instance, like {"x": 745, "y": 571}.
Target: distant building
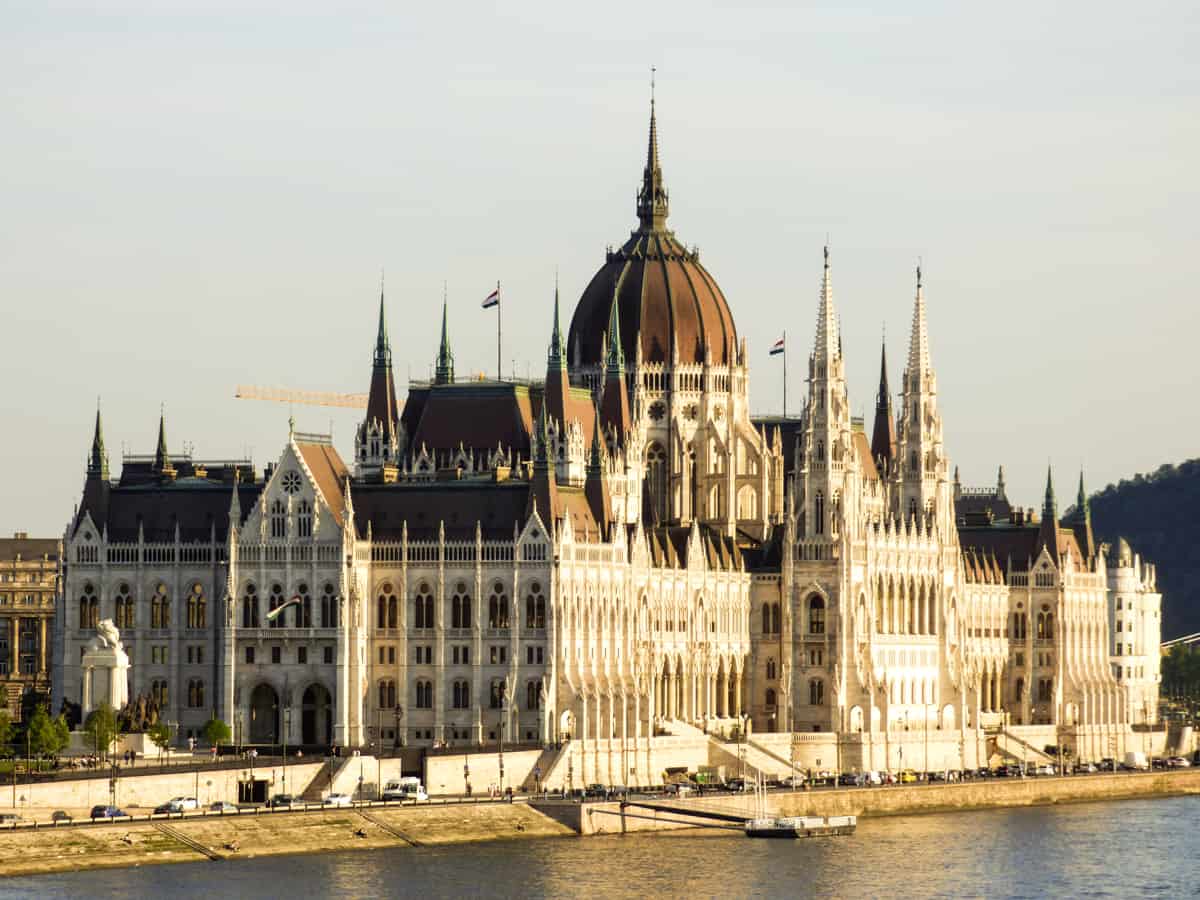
{"x": 29, "y": 571}
{"x": 617, "y": 557}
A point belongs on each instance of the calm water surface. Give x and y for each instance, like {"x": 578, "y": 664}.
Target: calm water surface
{"x": 1143, "y": 848}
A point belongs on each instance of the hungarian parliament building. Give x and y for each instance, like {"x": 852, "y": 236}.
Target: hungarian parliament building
{"x": 620, "y": 563}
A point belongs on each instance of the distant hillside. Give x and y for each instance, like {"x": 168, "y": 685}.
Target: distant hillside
{"x": 1159, "y": 515}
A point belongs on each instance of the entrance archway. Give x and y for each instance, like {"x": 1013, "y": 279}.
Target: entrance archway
{"x": 316, "y": 715}
{"x": 264, "y": 715}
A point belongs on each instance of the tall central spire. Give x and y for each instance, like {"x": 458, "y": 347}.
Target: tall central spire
{"x": 827, "y": 341}
{"x": 444, "y": 373}
{"x": 652, "y": 201}
{"x": 918, "y": 348}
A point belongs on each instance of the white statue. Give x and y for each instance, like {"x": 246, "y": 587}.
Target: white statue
{"x": 105, "y": 669}
{"x": 107, "y": 636}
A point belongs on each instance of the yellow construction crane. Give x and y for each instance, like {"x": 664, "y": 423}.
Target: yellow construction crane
{"x": 304, "y": 398}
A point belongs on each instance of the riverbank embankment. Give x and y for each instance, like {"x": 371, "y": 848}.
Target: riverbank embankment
{"x": 990, "y": 793}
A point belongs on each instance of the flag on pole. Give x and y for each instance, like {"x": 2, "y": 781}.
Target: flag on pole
{"x": 778, "y": 347}
{"x": 278, "y": 611}
{"x": 492, "y": 299}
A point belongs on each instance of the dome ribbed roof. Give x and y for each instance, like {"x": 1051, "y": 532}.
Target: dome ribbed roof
{"x": 663, "y": 292}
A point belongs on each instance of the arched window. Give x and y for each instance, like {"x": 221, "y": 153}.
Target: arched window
{"x": 816, "y": 615}
{"x": 387, "y": 610}
{"x": 422, "y": 607}
{"x": 460, "y": 607}
{"x": 535, "y": 607}
{"x": 533, "y": 695}
{"x": 160, "y": 608}
{"x": 776, "y": 619}
{"x": 766, "y": 618}
{"x": 771, "y": 673}
{"x": 496, "y": 694}
{"x": 304, "y": 519}
{"x": 912, "y": 508}
{"x": 159, "y": 692}
{"x": 278, "y": 519}
{"x": 816, "y": 692}
{"x": 304, "y": 616}
{"x": 89, "y": 608}
{"x": 498, "y": 607}
{"x": 197, "y": 607}
{"x": 274, "y": 601}
{"x": 250, "y": 617}
{"x": 1020, "y": 689}
{"x": 462, "y": 695}
{"x": 124, "y": 607}
{"x": 195, "y": 699}
{"x": 424, "y": 694}
{"x": 819, "y": 513}
{"x": 1049, "y": 626}
{"x": 328, "y": 608}
{"x": 771, "y": 697}
{"x": 747, "y": 503}
{"x": 387, "y": 694}
{"x": 1020, "y": 624}
{"x": 656, "y": 480}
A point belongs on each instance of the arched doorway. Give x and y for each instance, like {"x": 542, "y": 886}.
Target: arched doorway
{"x": 316, "y": 715}
{"x": 264, "y": 715}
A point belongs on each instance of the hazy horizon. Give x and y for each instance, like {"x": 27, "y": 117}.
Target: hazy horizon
{"x": 205, "y": 196}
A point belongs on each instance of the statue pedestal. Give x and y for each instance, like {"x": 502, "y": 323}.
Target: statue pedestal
{"x": 105, "y": 678}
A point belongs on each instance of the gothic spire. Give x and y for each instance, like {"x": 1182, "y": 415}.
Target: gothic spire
{"x": 1081, "y": 499}
{"x": 1000, "y": 484}
{"x": 883, "y": 436}
{"x": 918, "y": 347}
{"x": 615, "y": 356}
{"x": 98, "y": 462}
{"x": 557, "y": 358}
{"x": 652, "y": 201}
{"x": 1048, "y": 530}
{"x": 1049, "y": 504}
{"x": 826, "y": 344}
{"x": 444, "y": 373}
{"x": 381, "y": 400}
{"x": 162, "y": 461}
{"x": 383, "y": 347}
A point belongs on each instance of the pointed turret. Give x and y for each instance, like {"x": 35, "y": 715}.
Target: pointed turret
{"x": 557, "y": 384}
{"x": 883, "y": 437}
{"x": 1000, "y": 484}
{"x": 1080, "y": 522}
{"x": 918, "y": 345}
{"x": 826, "y": 345}
{"x": 381, "y": 401}
{"x": 444, "y": 373}
{"x": 1048, "y": 532}
{"x": 543, "y": 488}
{"x": 594, "y": 487}
{"x": 98, "y": 461}
{"x": 652, "y": 200}
{"x": 162, "y": 460}
{"x": 614, "y": 404}
{"x": 235, "y": 503}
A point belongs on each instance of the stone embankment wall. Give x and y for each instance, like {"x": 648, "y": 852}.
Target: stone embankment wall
{"x": 245, "y": 836}
{"x": 605, "y": 818}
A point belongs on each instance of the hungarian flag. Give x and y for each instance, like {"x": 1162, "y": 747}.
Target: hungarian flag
{"x": 778, "y": 347}
{"x": 278, "y": 611}
{"x": 492, "y": 299}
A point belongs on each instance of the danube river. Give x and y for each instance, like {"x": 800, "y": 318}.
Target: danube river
{"x": 1137, "y": 848}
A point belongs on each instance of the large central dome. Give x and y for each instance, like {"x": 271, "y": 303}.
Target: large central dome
{"x": 666, "y": 298}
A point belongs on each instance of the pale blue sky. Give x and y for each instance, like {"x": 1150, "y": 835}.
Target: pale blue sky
{"x": 197, "y": 195}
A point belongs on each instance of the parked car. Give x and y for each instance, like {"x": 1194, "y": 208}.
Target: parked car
{"x": 164, "y": 808}
{"x": 407, "y": 788}
{"x": 222, "y": 806}
{"x": 848, "y": 779}
{"x": 9, "y": 818}
{"x": 183, "y": 804}
{"x": 595, "y": 792}
{"x": 61, "y": 815}
{"x": 1085, "y": 768}
{"x": 873, "y": 779}
{"x": 908, "y": 776}
{"x": 338, "y": 800}
{"x": 282, "y": 801}
{"x": 677, "y": 790}
{"x": 787, "y": 782}
{"x": 108, "y": 812}
{"x": 1178, "y": 762}
{"x": 1108, "y": 764}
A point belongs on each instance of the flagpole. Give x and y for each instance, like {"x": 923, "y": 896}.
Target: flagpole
{"x": 785, "y": 374}
{"x": 499, "y": 370}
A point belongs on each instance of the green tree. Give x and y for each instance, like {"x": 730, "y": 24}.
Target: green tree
{"x": 101, "y": 727}
{"x": 62, "y": 734}
{"x": 216, "y": 732}
{"x": 41, "y": 739}
{"x": 160, "y": 735}
{"x": 6, "y": 730}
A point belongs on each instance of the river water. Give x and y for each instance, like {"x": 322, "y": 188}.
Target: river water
{"x": 1139, "y": 848}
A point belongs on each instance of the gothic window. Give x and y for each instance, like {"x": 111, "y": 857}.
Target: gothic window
{"x": 387, "y": 694}
{"x": 195, "y": 695}
{"x": 304, "y": 612}
{"x": 388, "y": 607}
{"x": 1019, "y": 627}
{"x": 1020, "y": 689}
{"x": 816, "y": 692}
{"x": 278, "y": 519}
{"x": 89, "y": 608}
{"x": 766, "y": 618}
{"x": 496, "y": 694}
{"x": 1045, "y": 690}
{"x": 535, "y": 607}
{"x": 274, "y": 602}
{"x": 816, "y": 615}
{"x": 328, "y": 608}
{"x": 912, "y": 508}
{"x": 747, "y": 503}
{"x": 914, "y": 462}
{"x": 124, "y": 607}
{"x": 160, "y": 608}
{"x": 819, "y": 514}
{"x": 159, "y": 692}
{"x": 820, "y": 452}
{"x": 304, "y": 519}
{"x": 460, "y": 607}
{"x": 656, "y": 479}
{"x": 197, "y": 608}
{"x": 250, "y": 617}
{"x": 498, "y": 607}
{"x": 422, "y": 608}
{"x": 771, "y": 673}
{"x": 1049, "y": 626}
{"x": 462, "y": 695}
{"x": 291, "y": 482}
{"x": 424, "y": 694}
{"x": 533, "y": 695}
{"x": 771, "y": 698}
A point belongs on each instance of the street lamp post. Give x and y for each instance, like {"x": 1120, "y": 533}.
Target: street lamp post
{"x": 287, "y": 726}
{"x": 399, "y": 713}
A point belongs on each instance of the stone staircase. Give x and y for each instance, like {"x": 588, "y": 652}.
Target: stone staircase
{"x": 554, "y": 766}
{"x": 1016, "y": 750}
{"x": 546, "y": 763}
{"x": 318, "y": 787}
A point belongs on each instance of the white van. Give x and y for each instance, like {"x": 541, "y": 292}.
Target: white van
{"x": 408, "y": 788}
{"x": 1135, "y": 759}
